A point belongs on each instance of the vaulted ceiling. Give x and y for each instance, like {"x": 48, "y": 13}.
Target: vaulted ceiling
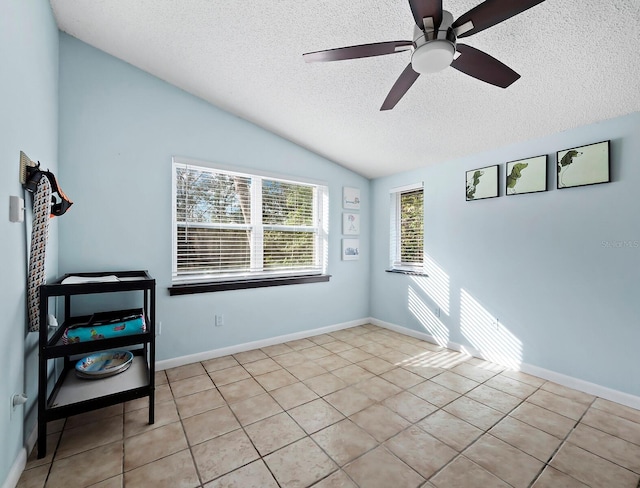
{"x": 579, "y": 63}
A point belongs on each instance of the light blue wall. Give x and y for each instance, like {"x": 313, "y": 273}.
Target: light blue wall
{"x": 119, "y": 128}
{"x": 28, "y": 122}
{"x": 539, "y": 263}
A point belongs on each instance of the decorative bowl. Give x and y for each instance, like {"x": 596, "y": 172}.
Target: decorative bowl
{"x": 103, "y": 364}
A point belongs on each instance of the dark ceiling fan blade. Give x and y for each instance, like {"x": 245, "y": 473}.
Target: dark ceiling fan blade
{"x": 426, "y": 8}
{"x": 400, "y": 87}
{"x": 492, "y": 12}
{"x": 486, "y": 68}
{"x": 360, "y": 51}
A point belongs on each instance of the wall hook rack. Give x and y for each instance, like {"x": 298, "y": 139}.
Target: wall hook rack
{"x": 25, "y": 162}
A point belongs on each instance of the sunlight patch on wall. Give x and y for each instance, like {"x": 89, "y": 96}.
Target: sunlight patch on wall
{"x": 436, "y": 285}
{"x": 487, "y": 334}
{"x": 427, "y": 318}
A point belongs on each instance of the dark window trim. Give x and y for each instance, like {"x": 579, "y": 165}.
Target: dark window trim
{"x": 191, "y": 288}
{"x": 406, "y": 272}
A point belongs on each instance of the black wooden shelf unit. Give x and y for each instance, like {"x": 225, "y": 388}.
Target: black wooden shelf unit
{"x": 72, "y": 395}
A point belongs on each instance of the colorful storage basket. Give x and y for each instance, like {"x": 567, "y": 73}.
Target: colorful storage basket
{"x": 105, "y": 326}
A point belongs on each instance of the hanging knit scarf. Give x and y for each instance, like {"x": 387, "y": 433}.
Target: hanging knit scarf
{"x": 39, "y": 236}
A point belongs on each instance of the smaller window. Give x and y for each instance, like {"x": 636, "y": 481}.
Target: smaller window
{"x": 407, "y": 228}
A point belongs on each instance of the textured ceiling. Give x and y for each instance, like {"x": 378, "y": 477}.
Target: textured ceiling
{"x": 579, "y": 62}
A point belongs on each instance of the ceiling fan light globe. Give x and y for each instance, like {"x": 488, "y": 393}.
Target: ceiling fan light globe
{"x": 433, "y": 56}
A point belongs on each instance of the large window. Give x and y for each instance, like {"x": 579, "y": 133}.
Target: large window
{"x": 230, "y": 225}
{"x": 407, "y": 228}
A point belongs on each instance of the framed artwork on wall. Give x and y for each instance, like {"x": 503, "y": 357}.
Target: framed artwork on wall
{"x": 350, "y": 249}
{"x": 584, "y": 165}
{"x": 351, "y": 198}
{"x": 350, "y": 224}
{"x": 526, "y": 176}
{"x": 482, "y": 183}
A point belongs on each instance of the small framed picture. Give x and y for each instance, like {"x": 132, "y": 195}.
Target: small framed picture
{"x": 584, "y": 165}
{"x": 350, "y": 249}
{"x": 351, "y": 198}
{"x": 526, "y": 176}
{"x": 482, "y": 183}
{"x": 350, "y": 224}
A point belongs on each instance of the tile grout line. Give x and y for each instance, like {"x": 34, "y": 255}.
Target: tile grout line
{"x": 486, "y": 432}
{"x": 483, "y": 432}
{"x": 228, "y": 405}
{"x": 562, "y": 443}
{"x": 260, "y": 456}
{"x": 340, "y": 468}
{"x": 306, "y": 433}
{"x": 173, "y": 400}
{"x": 55, "y": 450}
{"x": 184, "y": 430}
{"x": 566, "y": 440}
{"x": 412, "y": 424}
{"x": 379, "y": 444}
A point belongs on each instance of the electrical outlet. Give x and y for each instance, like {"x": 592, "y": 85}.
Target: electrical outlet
{"x": 159, "y": 329}
{"x": 219, "y": 320}
{"x": 16, "y": 401}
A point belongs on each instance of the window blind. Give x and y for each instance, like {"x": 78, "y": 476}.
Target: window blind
{"x": 411, "y": 227}
{"x": 407, "y": 227}
{"x": 232, "y": 225}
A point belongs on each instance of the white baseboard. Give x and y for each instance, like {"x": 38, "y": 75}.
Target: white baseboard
{"x": 546, "y": 374}
{"x": 582, "y": 385}
{"x": 21, "y": 460}
{"x": 248, "y": 346}
{"x": 16, "y": 470}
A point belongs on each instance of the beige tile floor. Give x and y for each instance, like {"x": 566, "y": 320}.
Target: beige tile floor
{"x": 363, "y": 407}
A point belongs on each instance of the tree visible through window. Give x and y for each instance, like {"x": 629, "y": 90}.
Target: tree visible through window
{"x": 407, "y": 228}
{"x": 411, "y": 227}
{"x": 231, "y": 225}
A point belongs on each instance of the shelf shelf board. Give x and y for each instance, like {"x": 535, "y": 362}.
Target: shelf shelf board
{"x": 75, "y": 390}
{"x": 128, "y": 281}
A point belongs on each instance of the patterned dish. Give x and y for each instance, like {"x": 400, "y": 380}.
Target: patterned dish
{"x": 103, "y": 364}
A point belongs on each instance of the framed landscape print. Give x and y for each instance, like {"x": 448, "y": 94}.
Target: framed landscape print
{"x": 526, "y": 176}
{"x": 350, "y": 224}
{"x": 351, "y": 198}
{"x": 584, "y": 165}
{"x": 482, "y": 183}
{"x": 350, "y": 249}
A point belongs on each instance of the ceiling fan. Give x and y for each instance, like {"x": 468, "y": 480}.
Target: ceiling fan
{"x": 435, "y": 45}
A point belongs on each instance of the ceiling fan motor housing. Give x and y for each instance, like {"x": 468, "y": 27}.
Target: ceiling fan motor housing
{"x": 435, "y": 49}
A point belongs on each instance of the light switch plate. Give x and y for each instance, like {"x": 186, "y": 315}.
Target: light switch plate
{"x": 16, "y": 209}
